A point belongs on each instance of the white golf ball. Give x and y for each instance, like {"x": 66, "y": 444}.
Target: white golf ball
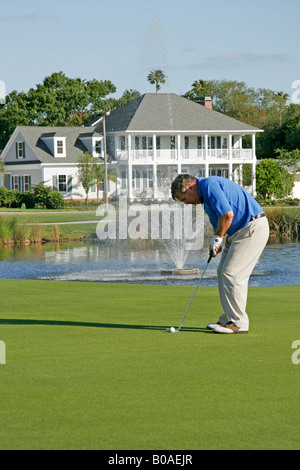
{"x": 171, "y": 330}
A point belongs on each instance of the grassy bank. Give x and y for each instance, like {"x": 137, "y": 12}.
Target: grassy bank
{"x": 43, "y": 227}
{"x": 284, "y": 222}
{"x": 90, "y": 366}
{"x": 36, "y": 227}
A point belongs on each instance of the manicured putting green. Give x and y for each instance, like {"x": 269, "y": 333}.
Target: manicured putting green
{"x": 91, "y": 366}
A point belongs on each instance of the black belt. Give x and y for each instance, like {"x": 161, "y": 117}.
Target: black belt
{"x": 258, "y": 216}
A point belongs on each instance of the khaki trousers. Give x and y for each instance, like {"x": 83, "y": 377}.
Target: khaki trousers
{"x": 239, "y": 256}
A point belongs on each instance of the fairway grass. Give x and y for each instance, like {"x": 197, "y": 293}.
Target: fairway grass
{"x": 91, "y": 366}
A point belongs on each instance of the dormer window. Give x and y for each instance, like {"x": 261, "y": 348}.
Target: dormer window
{"x": 98, "y": 147}
{"x": 60, "y": 146}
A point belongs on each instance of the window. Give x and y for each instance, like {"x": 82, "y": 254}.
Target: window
{"x": 60, "y": 147}
{"x": 148, "y": 179}
{"x": 98, "y": 146}
{"x": 218, "y": 172}
{"x": 124, "y": 180}
{"x": 200, "y": 143}
{"x": 225, "y": 173}
{"x": 122, "y": 142}
{"x": 172, "y": 142}
{"x": 136, "y": 143}
{"x": 20, "y": 150}
{"x": 144, "y": 143}
{"x": 27, "y": 182}
{"x": 62, "y": 183}
{"x": 15, "y": 182}
{"x": 158, "y": 143}
{"x": 136, "y": 181}
{"x": 186, "y": 143}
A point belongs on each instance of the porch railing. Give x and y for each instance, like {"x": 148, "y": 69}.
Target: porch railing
{"x": 188, "y": 156}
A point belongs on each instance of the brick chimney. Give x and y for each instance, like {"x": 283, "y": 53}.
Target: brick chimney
{"x": 205, "y": 101}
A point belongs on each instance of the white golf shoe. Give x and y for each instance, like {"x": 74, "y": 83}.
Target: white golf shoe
{"x": 229, "y": 328}
{"x": 221, "y": 322}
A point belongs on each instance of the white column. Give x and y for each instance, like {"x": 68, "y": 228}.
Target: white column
{"x": 253, "y": 166}
{"x": 154, "y": 167}
{"x": 230, "y": 157}
{"x": 206, "y": 156}
{"x": 178, "y": 147}
{"x": 129, "y": 169}
{"x": 178, "y": 154}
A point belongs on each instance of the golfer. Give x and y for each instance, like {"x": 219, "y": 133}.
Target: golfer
{"x": 241, "y": 231}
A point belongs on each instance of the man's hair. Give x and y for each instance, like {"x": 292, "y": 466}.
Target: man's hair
{"x": 180, "y": 183}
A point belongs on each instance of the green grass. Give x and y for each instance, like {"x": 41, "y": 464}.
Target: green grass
{"x": 90, "y": 366}
{"x": 52, "y": 217}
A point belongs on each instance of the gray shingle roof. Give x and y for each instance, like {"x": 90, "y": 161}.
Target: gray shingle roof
{"x": 168, "y": 111}
{"x": 74, "y": 146}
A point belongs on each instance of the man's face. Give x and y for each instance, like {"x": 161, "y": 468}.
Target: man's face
{"x": 190, "y": 196}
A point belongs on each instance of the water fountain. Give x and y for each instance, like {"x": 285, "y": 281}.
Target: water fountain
{"x": 185, "y": 234}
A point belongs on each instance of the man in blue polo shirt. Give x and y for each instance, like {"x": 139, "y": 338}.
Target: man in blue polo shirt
{"x": 241, "y": 231}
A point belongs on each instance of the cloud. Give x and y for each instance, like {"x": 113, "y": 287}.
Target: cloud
{"x": 29, "y": 17}
{"x": 236, "y": 60}
{"x": 232, "y": 60}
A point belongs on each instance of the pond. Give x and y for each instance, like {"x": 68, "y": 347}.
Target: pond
{"x": 139, "y": 262}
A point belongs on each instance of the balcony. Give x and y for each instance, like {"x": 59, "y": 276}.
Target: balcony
{"x": 192, "y": 156}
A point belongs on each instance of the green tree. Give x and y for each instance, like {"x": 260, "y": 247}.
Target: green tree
{"x": 281, "y": 99}
{"x": 200, "y": 88}
{"x": 291, "y": 127}
{"x": 157, "y": 77}
{"x": 99, "y": 175}
{"x": 58, "y": 101}
{"x": 288, "y": 163}
{"x": 85, "y": 173}
{"x": 127, "y": 96}
{"x": 262, "y": 108}
{"x": 268, "y": 178}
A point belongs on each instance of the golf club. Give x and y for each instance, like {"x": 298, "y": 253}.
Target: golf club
{"x": 174, "y": 330}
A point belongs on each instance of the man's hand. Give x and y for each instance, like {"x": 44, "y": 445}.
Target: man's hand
{"x": 216, "y": 245}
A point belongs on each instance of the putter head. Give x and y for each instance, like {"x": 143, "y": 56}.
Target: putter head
{"x": 172, "y": 330}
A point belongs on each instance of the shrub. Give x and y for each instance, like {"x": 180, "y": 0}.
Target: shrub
{"x": 26, "y": 198}
{"x": 55, "y": 200}
{"x": 3, "y": 196}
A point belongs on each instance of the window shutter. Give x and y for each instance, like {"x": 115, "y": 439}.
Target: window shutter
{"x": 55, "y": 183}
{"x": 17, "y": 151}
{"x": 69, "y": 184}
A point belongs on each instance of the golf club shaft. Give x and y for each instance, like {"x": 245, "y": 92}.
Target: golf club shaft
{"x": 210, "y": 256}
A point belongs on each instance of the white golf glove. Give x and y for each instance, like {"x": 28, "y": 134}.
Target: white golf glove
{"x": 216, "y": 242}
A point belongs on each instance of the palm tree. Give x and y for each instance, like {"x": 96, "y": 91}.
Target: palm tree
{"x": 157, "y": 77}
{"x": 281, "y": 99}
{"x": 99, "y": 175}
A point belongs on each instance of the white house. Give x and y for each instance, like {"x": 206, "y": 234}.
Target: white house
{"x": 149, "y": 141}
{"x": 35, "y": 154}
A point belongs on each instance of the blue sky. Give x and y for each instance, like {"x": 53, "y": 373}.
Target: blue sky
{"x": 255, "y": 41}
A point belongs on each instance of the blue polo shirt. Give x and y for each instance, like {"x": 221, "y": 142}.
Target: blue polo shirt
{"x": 220, "y": 195}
